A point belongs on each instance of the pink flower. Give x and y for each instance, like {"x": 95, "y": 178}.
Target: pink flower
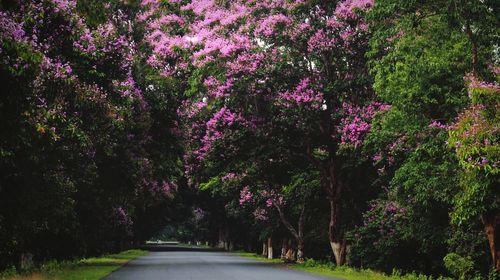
{"x": 436, "y": 124}
{"x": 348, "y": 8}
{"x": 303, "y": 93}
{"x": 260, "y": 214}
{"x": 269, "y": 202}
{"x": 245, "y": 196}
{"x": 269, "y": 24}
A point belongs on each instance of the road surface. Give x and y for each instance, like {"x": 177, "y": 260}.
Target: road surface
{"x": 177, "y": 263}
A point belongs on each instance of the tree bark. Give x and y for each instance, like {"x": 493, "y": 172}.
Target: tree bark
{"x": 300, "y": 239}
{"x": 297, "y": 234}
{"x": 470, "y": 34}
{"x": 223, "y": 238}
{"x": 270, "y": 248}
{"x": 491, "y": 222}
{"x": 300, "y": 251}
{"x": 284, "y": 249}
{"x": 335, "y": 234}
{"x": 264, "y": 248}
{"x": 335, "y": 231}
{"x": 290, "y": 254}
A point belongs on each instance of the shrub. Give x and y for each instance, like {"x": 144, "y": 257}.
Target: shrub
{"x": 459, "y": 266}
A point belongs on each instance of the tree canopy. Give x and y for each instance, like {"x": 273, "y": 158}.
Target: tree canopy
{"x": 364, "y": 132}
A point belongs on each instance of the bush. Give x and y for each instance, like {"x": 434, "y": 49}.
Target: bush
{"x": 459, "y": 266}
{"x": 8, "y": 273}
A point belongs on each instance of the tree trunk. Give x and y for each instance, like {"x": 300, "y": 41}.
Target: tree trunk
{"x": 284, "y": 249}
{"x": 334, "y": 187}
{"x": 220, "y": 243}
{"x": 300, "y": 251}
{"x": 336, "y": 235}
{"x": 472, "y": 40}
{"x": 290, "y": 254}
{"x": 264, "y": 248}
{"x": 270, "y": 248}
{"x": 297, "y": 234}
{"x": 491, "y": 223}
{"x": 26, "y": 262}
{"x": 300, "y": 237}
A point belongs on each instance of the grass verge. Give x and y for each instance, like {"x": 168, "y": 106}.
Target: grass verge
{"x": 84, "y": 269}
{"x": 344, "y": 272}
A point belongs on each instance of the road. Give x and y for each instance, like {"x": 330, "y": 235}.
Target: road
{"x": 177, "y": 263}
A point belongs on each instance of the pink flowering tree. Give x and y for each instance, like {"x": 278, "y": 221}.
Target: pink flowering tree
{"x": 79, "y": 132}
{"x": 475, "y": 137}
{"x": 248, "y": 68}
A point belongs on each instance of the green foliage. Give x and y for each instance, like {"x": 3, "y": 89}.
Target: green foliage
{"x": 475, "y": 136}
{"x": 79, "y": 156}
{"x": 211, "y": 185}
{"x": 303, "y": 184}
{"x": 383, "y": 239}
{"x": 422, "y": 71}
{"x": 84, "y": 164}
{"x": 459, "y": 266}
{"x": 420, "y": 54}
{"x": 477, "y": 195}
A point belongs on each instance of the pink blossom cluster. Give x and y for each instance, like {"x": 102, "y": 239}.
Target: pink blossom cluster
{"x": 229, "y": 177}
{"x": 260, "y": 214}
{"x": 11, "y": 29}
{"x": 474, "y": 134}
{"x": 437, "y": 124}
{"x": 245, "y": 50}
{"x": 348, "y": 9}
{"x": 389, "y": 154}
{"x": 475, "y": 83}
{"x": 303, "y": 93}
{"x": 66, "y": 6}
{"x": 320, "y": 41}
{"x": 246, "y": 63}
{"x": 356, "y": 123}
{"x": 70, "y": 52}
{"x": 122, "y": 217}
{"x": 168, "y": 188}
{"x": 246, "y": 196}
{"x": 129, "y": 88}
{"x": 58, "y": 69}
{"x": 272, "y": 198}
{"x": 198, "y": 213}
{"x": 217, "y": 89}
{"x": 205, "y": 33}
{"x": 215, "y": 129}
{"x": 385, "y": 217}
{"x": 267, "y": 26}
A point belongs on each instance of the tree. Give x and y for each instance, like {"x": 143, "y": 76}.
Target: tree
{"x": 80, "y": 154}
{"x": 475, "y": 138}
{"x": 307, "y": 60}
{"x": 420, "y": 53}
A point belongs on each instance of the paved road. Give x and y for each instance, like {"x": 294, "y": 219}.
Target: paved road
{"x": 184, "y": 264}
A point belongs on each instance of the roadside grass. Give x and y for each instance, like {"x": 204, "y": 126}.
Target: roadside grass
{"x": 84, "y": 269}
{"x": 344, "y": 272}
